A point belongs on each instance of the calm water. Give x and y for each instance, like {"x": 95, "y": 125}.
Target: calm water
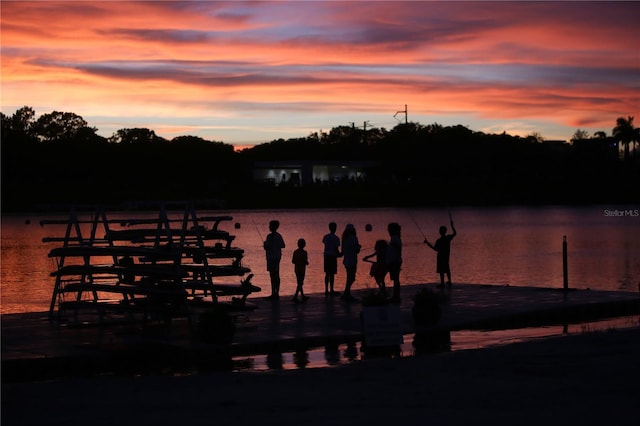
{"x": 516, "y": 246}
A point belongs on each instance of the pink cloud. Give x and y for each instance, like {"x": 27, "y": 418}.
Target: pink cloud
{"x": 557, "y": 61}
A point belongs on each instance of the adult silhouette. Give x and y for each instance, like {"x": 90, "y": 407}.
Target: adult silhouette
{"x": 273, "y": 245}
{"x": 350, "y": 249}
{"x": 331, "y": 253}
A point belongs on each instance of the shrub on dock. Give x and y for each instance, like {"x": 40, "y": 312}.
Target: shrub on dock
{"x": 426, "y": 308}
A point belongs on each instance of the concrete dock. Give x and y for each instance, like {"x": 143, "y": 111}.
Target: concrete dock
{"x": 36, "y": 348}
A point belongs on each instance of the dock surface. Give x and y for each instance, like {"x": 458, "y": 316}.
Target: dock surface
{"x": 35, "y": 347}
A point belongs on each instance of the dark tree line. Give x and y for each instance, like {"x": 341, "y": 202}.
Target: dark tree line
{"x": 57, "y": 159}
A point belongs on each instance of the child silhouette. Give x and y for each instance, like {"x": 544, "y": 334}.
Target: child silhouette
{"x": 443, "y": 248}
{"x": 300, "y": 261}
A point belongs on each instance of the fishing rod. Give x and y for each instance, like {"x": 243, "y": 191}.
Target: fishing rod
{"x": 257, "y": 229}
{"x": 417, "y": 226}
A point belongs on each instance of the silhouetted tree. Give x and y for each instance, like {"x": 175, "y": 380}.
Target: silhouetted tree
{"x": 5, "y": 123}
{"x": 17, "y": 129}
{"x": 535, "y": 137}
{"x": 135, "y": 135}
{"x": 87, "y": 135}
{"x": 58, "y": 126}
{"x": 349, "y": 136}
{"x": 434, "y": 160}
{"x": 196, "y": 142}
{"x": 188, "y": 139}
{"x": 375, "y": 135}
{"x": 23, "y": 119}
{"x": 580, "y": 134}
{"x": 625, "y": 133}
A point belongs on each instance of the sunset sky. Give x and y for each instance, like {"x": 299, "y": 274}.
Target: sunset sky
{"x": 251, "y": 72}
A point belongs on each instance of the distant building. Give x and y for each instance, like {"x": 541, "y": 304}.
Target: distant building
{"x": 309, "y": 172}
{"x": 597, "y": 147}
{"x": 557, "y": 145}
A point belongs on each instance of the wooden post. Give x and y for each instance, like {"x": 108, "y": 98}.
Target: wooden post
{"x": 565, "y": 271}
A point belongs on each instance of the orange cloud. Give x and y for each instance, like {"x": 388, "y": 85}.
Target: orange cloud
{"x": 234, "y": 61}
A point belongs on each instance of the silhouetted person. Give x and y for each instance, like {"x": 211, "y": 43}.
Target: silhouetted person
{"x": 331, "y": 254}
{"x": 300, "y": 260}
{"x": 379, "y": 265}
{"x": 350, "y": 249}
{"x": 394, "y": 259}
{"x": 443, "y": 248}
{"x": 273, "y": 246}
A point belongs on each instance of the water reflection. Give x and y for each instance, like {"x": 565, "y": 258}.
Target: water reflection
{"x": 301, "y": 358}
{"x": 351, "y": 352}
{"x": 431, "y": 341}
{"x": 275, "y": 361}
{"x": 423, "y": 345}
{"x": 332, "y": 354}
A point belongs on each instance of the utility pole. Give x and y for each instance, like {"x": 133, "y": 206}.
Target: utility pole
{"x": 364, "y": 132}
{"x": 405, "y": 112}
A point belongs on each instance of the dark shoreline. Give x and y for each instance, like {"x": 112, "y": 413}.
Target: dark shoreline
{"x": 35, "y": 347}
{"x": 590, "y": 379}
{"x": 221, "y": 205}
